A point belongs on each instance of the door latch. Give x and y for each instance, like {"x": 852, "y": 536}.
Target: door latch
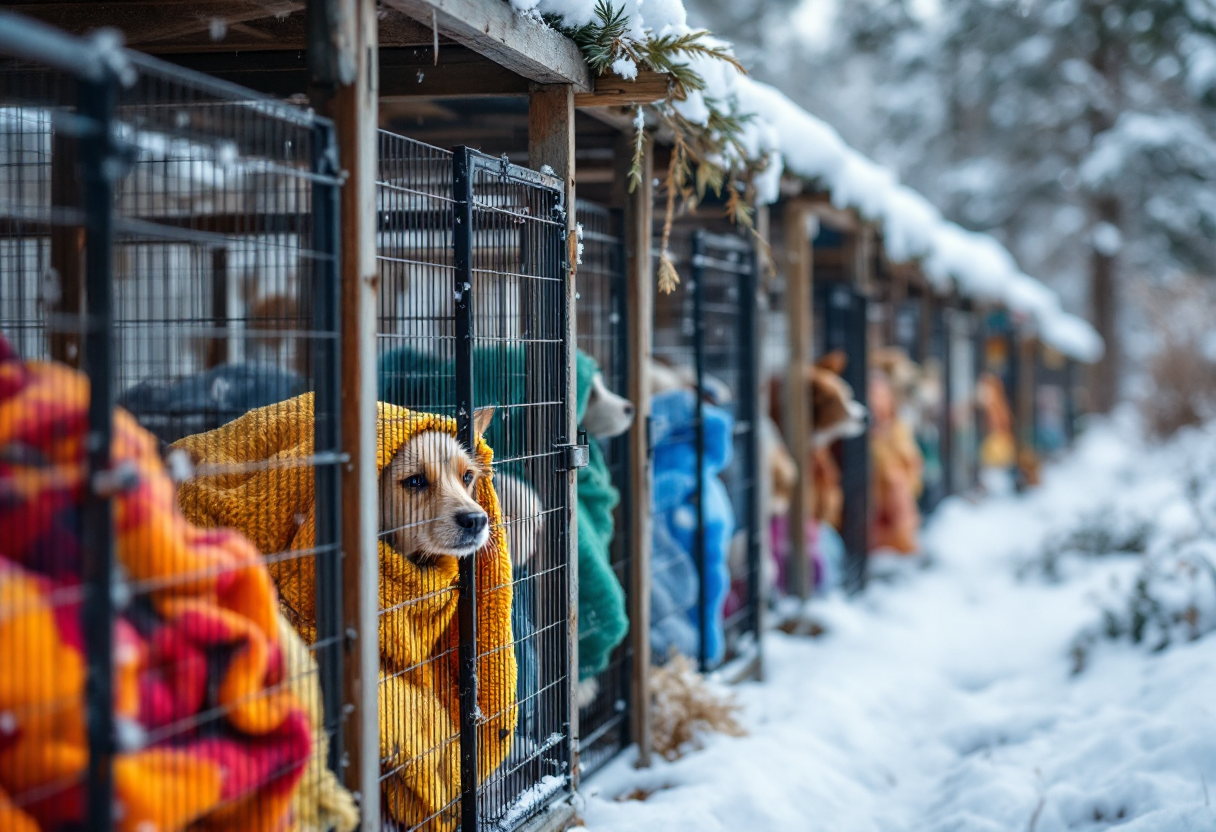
{"x": 575, "y": 456}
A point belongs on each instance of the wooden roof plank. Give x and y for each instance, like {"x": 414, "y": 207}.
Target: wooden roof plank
{"x": 491, "y": 28}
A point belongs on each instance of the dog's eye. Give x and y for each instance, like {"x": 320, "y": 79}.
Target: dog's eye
{"x": 416, "y": 482}
{"x": 469, "y": 476}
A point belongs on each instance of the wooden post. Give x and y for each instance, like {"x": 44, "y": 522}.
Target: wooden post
{"x": 800, "y": 224}
{"x": 551, "y": 145}
{"x": 639, "y": 229}
{"x": 342, "y": 62}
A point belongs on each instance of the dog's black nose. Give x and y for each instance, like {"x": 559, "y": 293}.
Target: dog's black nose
{"x": 472, "y": 521}
{"x": 630, "y": 410}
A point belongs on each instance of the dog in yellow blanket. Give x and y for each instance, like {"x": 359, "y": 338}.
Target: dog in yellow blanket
{"x": 272, "y": 501}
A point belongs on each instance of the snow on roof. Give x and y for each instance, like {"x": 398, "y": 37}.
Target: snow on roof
{"x": 793, "y": 139}
{"x": 978, "y": 265}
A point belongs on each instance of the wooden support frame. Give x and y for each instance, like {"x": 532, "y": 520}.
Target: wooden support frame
{"x": 342, "y": 60}
{"x": 801, "y": 227}
{"x": 551, "y": 144}
{"x": 522, "y": 45}
{"x": 639, "y": 264}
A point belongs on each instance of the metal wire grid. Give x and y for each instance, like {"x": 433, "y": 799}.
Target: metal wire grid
{"x": 218, "y": 189}
{"x": 840, "y": 312}
{"x": 519, "y": 264}
{"x": 416, "y": 342}
{"x": 707, "y": 331}
{"x": 472, "y": 315}
{"x": 675, "y": 582}
{"x": 603, "y": 334}
{"x": 724, "y": 274}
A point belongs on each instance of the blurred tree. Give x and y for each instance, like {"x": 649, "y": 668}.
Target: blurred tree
{"x": 1081, "y": 132}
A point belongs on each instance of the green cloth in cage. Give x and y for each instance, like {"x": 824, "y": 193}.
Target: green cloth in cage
{"x": 422, "y": 380}
{"x": 602, "y": 619}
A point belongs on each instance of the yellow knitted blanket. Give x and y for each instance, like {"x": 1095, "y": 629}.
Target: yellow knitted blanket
{"x": 265, "y": 489}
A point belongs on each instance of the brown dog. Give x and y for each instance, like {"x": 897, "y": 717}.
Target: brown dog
{"x": 835, "y": 414}
{"x": 426, "y": 496}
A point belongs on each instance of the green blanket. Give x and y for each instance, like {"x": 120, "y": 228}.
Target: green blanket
{"x": 602, "y": 618}
{"x": 413, "y": 378}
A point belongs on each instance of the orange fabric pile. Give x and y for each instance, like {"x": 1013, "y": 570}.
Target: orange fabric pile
{"x": 210, "y": 736}
{"x": 896, "y": 473}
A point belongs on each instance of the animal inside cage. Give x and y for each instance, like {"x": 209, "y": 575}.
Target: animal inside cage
{"x": 706, "y": 556}
{"x": 605, "y": 495}
{"x": 147, "y": 214}
{"x": 473, "y": 358}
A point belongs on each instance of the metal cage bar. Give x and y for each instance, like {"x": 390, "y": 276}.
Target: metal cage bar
{"x": 182, "y": 177}
{"x": 844, "y": 328}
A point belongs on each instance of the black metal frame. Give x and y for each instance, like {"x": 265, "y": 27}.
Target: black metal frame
{"x": 844, "y": 316}
{"x": 545, "y": 247}
{"x": 107, "y": 91}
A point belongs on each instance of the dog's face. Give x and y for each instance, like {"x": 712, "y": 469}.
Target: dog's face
{"x": 607, "y": 414}
{"x": 835, "y": 412}
{"x": 427, "y": 509}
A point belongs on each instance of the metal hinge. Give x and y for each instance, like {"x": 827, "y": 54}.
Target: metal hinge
{"x": 575, "y": 456}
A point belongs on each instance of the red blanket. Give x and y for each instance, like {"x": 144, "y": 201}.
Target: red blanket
{"x": 209, "y": 734}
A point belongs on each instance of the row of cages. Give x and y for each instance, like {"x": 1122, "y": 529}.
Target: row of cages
{"x": 975, "y": 392}
{"x": 171, "y": 569}
{"x": 172, "y": 600}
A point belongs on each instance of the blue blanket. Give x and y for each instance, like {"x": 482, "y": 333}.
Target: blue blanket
{"x": 675, "y": 590}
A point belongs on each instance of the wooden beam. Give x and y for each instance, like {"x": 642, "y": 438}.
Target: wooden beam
{"x": 351, "y": 101}
{"x": 147, "y": 21}
{"x": 491, "y": 28}
{"x": 614, "y": 91}
{"x": 801, "y": 225}
{"x": 551, "y": 145}
{"x": 404, "y": 72}
{"x": 639, "y": 228}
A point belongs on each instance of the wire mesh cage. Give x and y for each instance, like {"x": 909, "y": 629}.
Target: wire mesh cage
{"x": 473, "y": 329}
{"x": 605, "y": 653}
{"x": 706, "y": 556}
{"x": 840, "y": 324}
{"x": 145, "y": 213}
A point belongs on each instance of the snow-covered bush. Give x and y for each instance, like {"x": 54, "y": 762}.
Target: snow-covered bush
{"x": 1100, "y": 533}
{"x": 1171, "y": 598}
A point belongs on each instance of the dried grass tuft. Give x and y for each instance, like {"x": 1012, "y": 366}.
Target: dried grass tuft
{"x": 685, "y": 707}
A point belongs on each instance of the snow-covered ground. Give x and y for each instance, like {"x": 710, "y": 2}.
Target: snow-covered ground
{"x": 946, "y": 699}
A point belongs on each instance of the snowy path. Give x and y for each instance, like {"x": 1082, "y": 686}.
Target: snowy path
{"x": 944, "y": 699}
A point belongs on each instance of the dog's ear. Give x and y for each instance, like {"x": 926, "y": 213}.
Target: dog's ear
{"x": 482, "y": 417}
{"x": 833, "y": 362}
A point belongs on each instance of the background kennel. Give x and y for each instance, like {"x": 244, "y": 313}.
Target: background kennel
{"x": 840, "y": 324}
{"x": 175, "y": 238}
{"x": 472, "y": 255}
{"x": 706, "y": 555}
{"x": 604, "y": 334}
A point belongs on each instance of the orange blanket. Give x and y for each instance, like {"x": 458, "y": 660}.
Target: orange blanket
{"x": 197, "y": 668}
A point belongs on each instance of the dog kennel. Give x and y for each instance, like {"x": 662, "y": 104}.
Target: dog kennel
{"x": 603, "y": 334}
{"x": 841, "y": 324}
{"x": 706, "y": 583}
{"x": 174, "y": 239}
{"x": 472, "y": 254}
